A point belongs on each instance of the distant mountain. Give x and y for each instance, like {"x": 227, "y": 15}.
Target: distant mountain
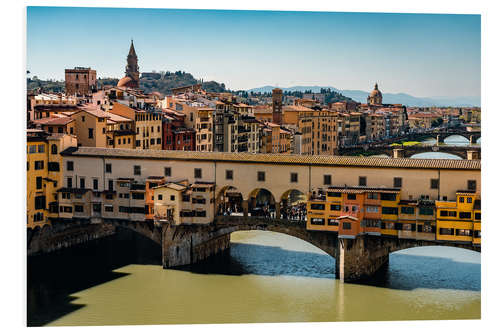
{"x": 389, "y": 98}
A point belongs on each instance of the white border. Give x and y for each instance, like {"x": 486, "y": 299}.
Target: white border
{"x": 13, "y": 20}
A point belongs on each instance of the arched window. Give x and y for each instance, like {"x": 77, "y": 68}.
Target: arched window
{"x": 53, "y": 149}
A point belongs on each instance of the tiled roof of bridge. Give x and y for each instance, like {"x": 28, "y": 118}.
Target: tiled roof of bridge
{"x": 353, "y": 161}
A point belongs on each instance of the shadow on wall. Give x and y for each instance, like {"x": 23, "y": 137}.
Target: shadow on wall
{"x": 407, "y": 270}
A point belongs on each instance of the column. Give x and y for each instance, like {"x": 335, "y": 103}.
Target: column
{"x": 244, "y": 204}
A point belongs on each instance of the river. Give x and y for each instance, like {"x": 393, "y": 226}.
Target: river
{"x": 266, "y": 277}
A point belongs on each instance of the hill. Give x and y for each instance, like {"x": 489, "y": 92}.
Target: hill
{"x": 390, "y": 98}
{"x": 163, "y": 83}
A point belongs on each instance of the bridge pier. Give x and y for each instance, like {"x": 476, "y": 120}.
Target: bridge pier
{"x": 439, "y": 139}
{"x": 189, "y": 244}
{"x": 473, "y": 139}
{"x": 360, "y": 257}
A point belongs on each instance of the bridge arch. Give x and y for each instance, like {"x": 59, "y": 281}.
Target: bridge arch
{"x": 438, "y": 155}
{"x": 261, "y": 202}
{"x": 229, "y": 200}
{"x": 292, "y": 204}
{"x": 326, "y": 242}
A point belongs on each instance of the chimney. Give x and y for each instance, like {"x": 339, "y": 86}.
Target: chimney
{"x": 472, "y": 155}
{"x": 398, "y": 153}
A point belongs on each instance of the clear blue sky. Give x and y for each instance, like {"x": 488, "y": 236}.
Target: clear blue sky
{"x": 419, "y": 54}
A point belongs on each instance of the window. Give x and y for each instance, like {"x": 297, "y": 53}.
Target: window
{"x": 69, "y": 182}
{"x": 41, "y": 148}
{"x": 109, "y": 196}
{"x": 40, "y": 202}
{"x": 294, "y": 177}
{"x": 334, "y": 194}
{"x": 197, "y": 173}
{"x": 167, "y": 171}
{"x": 110, "y": 184}
{"x": 95, "y": 183}
{"x": 469, "y": 200}
{"x": 123, "y": 209}
{"x": 408, "y": 210}
{"x": 471, "y": 185}
{"x": 426, "y": 211}
{"x": 317, "y": 221}
{"x": 463, "y": 232}
{"x": 78, "y": 209}
{"x": 53, "y": 166}
{"x": 434, "y": 184}
{"x": 327, "y": 179}
{"x": 477, "y": 233}
{"x": 373, "y": 196}
{"x": 137, "y": 170}
{"x": 261, "y": 176}
{"x": 96, "y": 207}
{"x": 82, "y": 182}
{"x": 38, "y": 183}
{"x": 333, "y": 222}
{"x": 32, "y": 149}
{"x": 446, "y": 231}
{"x": 172, "y": 198}
{"x": 229, "y": 174}
{"x": 371, "y": 209}
{"x": 398, "y": 182}
{"x": 316, "y": 206}
{"x": 38, "y": 165}
{"x": 461, "y": 199}
{"x": 137, "y": 196}
{"x": 27, "y": 166}
{"x": 108, "y": 167}
{"x": 108, "y": 208}
{"x": 335, "y": 207}
{"x": 185, "y": 198}
{"x": 158, "y": 141}
{"x": 53, "y": 149}
{"x": 388, "y": 196}
{"x": 69, "y": 166}
{"x": 160, "y": 197}
{"x": 390, "y": 210}
{"x": 362, "y": 181}
{"x": 346, "y": 225}
{"x": 464, "y": 215}
{"x": 351, "y": 196}
{"x": 477, "y": 216}
{"x": 91, "y": 133}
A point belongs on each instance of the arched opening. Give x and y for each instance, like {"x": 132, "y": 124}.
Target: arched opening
{"x": 53, "y": 149}
{"x": 293, "y": 205}
{"x": 436, "y": 155}
{"x": 261, "y": 203}
{"x": 229, "y": 201}
{"x": 432, "y": 267}
{"x": 456, "y": 140}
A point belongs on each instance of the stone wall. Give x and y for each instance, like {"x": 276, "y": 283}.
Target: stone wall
{"x": 49, "y": 239}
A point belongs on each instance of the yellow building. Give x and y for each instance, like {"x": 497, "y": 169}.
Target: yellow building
{"x": 90, "y": 126}
{"x": 456, "y": 220}
{"x": 44, "y": 174}
{"x": 148, "y": 126}
{"x": 389, "y": 202}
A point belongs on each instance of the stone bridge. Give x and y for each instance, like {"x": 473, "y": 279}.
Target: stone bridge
{"x": 408, "y": 151}
{"x": 188, "y": 244}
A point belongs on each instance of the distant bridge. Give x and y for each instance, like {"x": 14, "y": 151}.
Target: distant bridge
{"x": 408, "y": 151}
{"x": 188, "y": 244}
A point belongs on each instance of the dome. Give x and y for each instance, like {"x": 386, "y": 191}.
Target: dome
{"x": 125, "y": 82}
{"x": 376, "y": 92}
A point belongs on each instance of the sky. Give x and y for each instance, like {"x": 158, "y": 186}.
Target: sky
{"x": 424, "y": 55}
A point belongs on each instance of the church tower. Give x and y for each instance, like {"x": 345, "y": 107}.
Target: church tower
{"x": 375, "y": 96}
{"x": 277, "y": 105}
{"x": 132, "y": 69}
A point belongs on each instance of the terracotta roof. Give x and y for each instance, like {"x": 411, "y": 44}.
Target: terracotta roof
{"x": 318, "y": 160}
{"x": 54, "y": 121}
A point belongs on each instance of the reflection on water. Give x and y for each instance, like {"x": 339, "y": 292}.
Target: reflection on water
{"x": 267, "y": 277}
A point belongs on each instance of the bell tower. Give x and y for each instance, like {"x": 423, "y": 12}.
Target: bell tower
{"x": 277, "y": 105}
{"x": 132, "y": 69}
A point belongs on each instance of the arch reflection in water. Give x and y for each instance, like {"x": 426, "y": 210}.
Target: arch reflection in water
{"x": 436, "y": 155}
